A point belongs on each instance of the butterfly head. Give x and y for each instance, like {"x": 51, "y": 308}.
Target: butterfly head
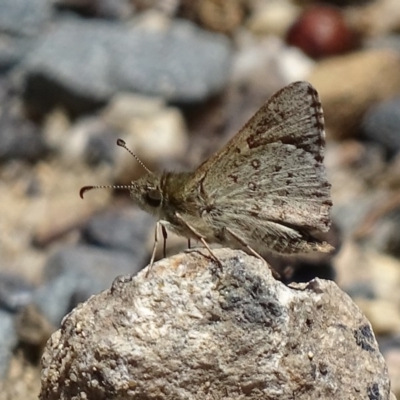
{"x": 147, "y": 194}
{"x": 145, "y": 191}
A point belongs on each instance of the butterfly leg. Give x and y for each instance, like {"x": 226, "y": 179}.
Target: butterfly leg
{"x": 153, "y": 254}
{"x": 165, "y": 236}
{"x": 199, "y": 237}
{"x": 251, "y": 250}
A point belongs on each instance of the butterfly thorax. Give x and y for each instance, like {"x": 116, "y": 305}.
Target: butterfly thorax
{"x": 167, "y": 194}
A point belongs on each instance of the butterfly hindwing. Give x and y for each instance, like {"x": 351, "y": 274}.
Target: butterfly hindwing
{"x": 272, "y": 170}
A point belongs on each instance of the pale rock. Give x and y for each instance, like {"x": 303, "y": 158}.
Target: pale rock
{"x": 392, "y": 358}
{"x": 56, "y": 125}
{"x": 349, "y": 85}
{"x": 273, "y": 17}
{"x": 351, "y": 254}
{"x": 256, "y": 61}
{"x": 125, "y": 106}
{"x": 153, "y": 131}
{"x": 77, "y": 138}
{"x": 379, "y": 272}
{"x": 375, "y": 18}
{"x": 383, "y": 315}
{"x": 294, "y": 65}
{"x": 385, "y": 274}
{"x": 260, "y": 68}
{"x": 192, "y": 331}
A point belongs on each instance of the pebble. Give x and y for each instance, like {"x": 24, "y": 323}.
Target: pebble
{"x": 385, "y": 277}
{"x": 272, "y": 17}
{"x": 382, "y": 314}
{"x": 259, "y": 69}
{"x": 100, "y": 147}
{"x": 375, "y": 18}
{"x": 33, "y": 330}
{"x": 15, "y": 292}
{"x": 372, "y": 76}
{"x": 390, "y": 42}
{"x": 107, "y": 9}
{"x": 156, "y": 133}
{"x": 391, "y": 178}
{"x": 12, "y": 51}
{"x": 89, "y": 139}
{"x": 321, "y": 31}
{"x": 20, "y": 138}
{"x": 360, "y": 289}
{"x": 392, "y": 358}
{"x": 379, "y": 274}
{"x": 385, "y": 236}
{"x": 352, "y": 165}
{"x": 215, "y": 15}
{"x": 349, "y": 214}
{"x": 73, "y": 274}
{"x": 24, "y": 17}
{"x": 179, "y": 62}
{"x": 168, "y": 7}
{"x": 123, "y": 229}
{"x": 381, "y": 124}
{"x": 8, "y": 341}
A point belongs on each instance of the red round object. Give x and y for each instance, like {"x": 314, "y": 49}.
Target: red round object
{"x": 321, "y": 31}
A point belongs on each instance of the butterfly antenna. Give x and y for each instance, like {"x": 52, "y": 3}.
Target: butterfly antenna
{"x": 118, "y": 187}
{"x": 121, "y": 143}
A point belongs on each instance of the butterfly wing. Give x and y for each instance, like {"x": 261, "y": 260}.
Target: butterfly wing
{"x": 271, "y": 173}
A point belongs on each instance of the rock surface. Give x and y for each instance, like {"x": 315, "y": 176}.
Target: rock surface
{"x": 190, "y": 331}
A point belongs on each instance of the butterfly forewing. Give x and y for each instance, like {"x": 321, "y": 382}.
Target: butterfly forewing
{"x": 272, "y": 170}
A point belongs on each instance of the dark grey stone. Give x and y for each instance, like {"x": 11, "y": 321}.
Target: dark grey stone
{"x": 121, "y": 229}
{"x": 108, "y": 9}
{"x": 349, "y": 215}
{"x": 12, "y": 51}
{"x": 101, "y": 147}
{"x": 361, "y": 289}
{"x": 8, "y": 340}
{"x": 385, "y": 236}
{"x": 14, "y": 292}
{"x": 19, "y": 138}
{"x": 24, "y": 17}
{"x": 73, "y": 274}
{"x": 184, "y": 63}
{"x": 381, "y": 124}
{"x": 82, "y": 64}
{"x": 391, "y": 42}
{"x": 388, "y": 343}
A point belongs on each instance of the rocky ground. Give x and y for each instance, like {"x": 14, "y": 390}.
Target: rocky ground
{"x": 175, "y": 80}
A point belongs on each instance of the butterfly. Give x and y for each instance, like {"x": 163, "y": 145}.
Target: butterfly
{"x": 267, "y": 189}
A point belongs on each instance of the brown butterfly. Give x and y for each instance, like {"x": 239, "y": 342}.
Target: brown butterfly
{"x": 265, "y": 190}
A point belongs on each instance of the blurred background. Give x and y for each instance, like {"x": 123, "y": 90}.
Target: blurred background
{"x": 176, "y": 79}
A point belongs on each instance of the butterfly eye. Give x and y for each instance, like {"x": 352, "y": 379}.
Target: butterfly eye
{"x": 153, "y": 197}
